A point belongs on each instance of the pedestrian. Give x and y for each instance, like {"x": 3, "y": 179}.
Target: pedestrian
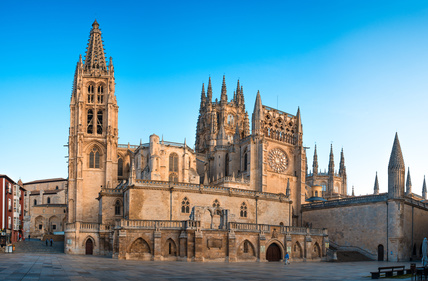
{"x": 47, "y": 240}
{"x": 287, "y": 258}
{"x": 51, "y": 242}
{"x": 29, "y": 237}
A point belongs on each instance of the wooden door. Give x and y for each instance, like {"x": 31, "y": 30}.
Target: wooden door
{"x": 89, "y": 247}
{"x": 273, "y": 253}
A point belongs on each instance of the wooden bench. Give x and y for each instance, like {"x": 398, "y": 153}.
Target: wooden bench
{"x": 388, "y": 271}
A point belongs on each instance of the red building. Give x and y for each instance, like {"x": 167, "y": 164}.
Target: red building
{"x": 11, "y": 209}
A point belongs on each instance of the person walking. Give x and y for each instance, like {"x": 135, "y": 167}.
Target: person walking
{"x": 287, "y": 258}
{"x": 47, "y": 241}
{"x": 51, "y": 242}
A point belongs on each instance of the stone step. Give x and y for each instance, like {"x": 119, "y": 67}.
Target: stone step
{"x": 37, "y": 246}
{"x": 351, "y": 256}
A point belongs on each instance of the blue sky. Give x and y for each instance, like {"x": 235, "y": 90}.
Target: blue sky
{"x": 357, "y": 69}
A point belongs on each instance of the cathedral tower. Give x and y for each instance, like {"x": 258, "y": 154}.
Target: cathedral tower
{"x": 92, "y": 145}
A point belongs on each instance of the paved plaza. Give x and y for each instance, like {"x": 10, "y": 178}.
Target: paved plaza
{"x": 41, "y": 266}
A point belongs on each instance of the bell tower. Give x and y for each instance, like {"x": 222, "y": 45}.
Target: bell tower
{"x": 93, "y": 135}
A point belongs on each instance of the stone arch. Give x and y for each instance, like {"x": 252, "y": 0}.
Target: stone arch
{"x": 273, "y": 243}
{"x": 316, "y": 251}
{"x": 139, "y": 247}
{"x": 54, "y": 224}
{"x": 297, "y": 250}
{"x": 39, "y": 220}
{"x": 118, "y": 207}
{"x": 246, "y": 250}
{"x": 86, "y": 239}
{"x": 170, "y": 248}
{"x": 97, "y": 144}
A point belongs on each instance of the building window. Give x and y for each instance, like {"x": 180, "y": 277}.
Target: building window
{"x": 9, "y": 222}
{"x": 99, "y": 122}
{"x": 230, "y": 119}
{"x": 49, "y": 200}
{"x": 119, "y": 167}
{"x": 94, "y": 158}
{"x": 100, "y": 94}
{"x": 117, "y": 208}
{"x": 173, "y": 167}
{"x": 53, "y": 226}
{"x": 35, "y": 202}
{"x": 243, "y": 212}
{"x": 40, "y": 226}
{"x": 245, "y": 246}
{"x": 90, "y": 128}
{"x": 245, "y": 161}
{"x": 56, "y": 187}
{"x": 185, "y": 206}
{"x": 9, "y": 204}
{"x": 226, "y": 165}
{"x": 216, "y": 203}
{"x": 90, "y": 94}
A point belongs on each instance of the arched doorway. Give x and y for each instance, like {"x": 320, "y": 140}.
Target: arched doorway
{"x": 273, "y": 253}
{"x": 380, "y": 252}
{"x": 89, "y": 247}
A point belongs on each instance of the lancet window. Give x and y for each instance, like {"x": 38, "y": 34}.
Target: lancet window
{"x": 117, "y": 207}
{"x": 91, "y": 94}
{"x": 94, "y": 158}
{"x": 119, "y": 167}
{"x": 90, "y": 128}
{"x": 226, "y": 166}
{"x": 99, "y": 122}
{"x": 185, "y": 206}
{"x": 173, "y": 167}
{"x": 243, "y": 212}
{"x": 100, "y": 96}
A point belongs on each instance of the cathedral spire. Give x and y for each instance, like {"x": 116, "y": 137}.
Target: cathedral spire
{"x": 223, "y": 98}
{"x": 203, "y": 98}
{"x": 331, "y": 162}
{"x": 376, "y": 186}
{"x": 299, "y": 121}
{"x": 257, "y": 116}
{"x": 396, "y": 170}
{"x": 209, "y": 91}
{"x": 408, "y": 183}
{"x": 342, "y": 167}
{"x": 315, "y": 162}
{"x": 95, "y": 58}
{"x": 424, "y": 190}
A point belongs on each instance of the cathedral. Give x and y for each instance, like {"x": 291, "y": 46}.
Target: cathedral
{"x": 237, "y": 196}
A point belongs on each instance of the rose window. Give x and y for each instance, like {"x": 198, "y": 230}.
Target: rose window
{"x": 278, "y": 160}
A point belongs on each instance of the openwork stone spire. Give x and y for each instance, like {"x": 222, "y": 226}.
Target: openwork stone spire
{"x": 95, "y": 58}
{"x": 331, "y": 162}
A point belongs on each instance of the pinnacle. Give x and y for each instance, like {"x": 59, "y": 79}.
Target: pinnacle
{"x": 396, "y": 160}
{"x": 95, "y": 57}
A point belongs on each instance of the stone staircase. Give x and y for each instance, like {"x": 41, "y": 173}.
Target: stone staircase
{"x": 348, "y": 255}
{"x": 37, "y": 246}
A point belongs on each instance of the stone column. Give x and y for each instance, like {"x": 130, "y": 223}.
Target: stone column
{"x": 231, "y": 249}
{"x": 157, "y": 245}
{"x": 183, "y": 245}
{"x": 199, "y": 255}
{"x": 261, "y": 255}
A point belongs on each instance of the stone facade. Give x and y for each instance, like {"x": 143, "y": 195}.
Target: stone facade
{"x": 237, "y": 196}
{"x": 45, "y": 207}
{"x": 389, "y": 226}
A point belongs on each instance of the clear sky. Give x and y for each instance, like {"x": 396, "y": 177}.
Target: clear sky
{"x": 357, "y": 69}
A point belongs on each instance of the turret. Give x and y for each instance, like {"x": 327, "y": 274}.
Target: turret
{"x": 299, "y": 126}
{"x": 257, "y": 116}
{"x": 376, "y": 186}
{"x": 223, "y": 98}
{"x": 331, "y": 162}
{"x": 315, "y": 162}
{"x": 408, "y": 183}
{"x": 396, "y": 171}
{"x": 424, "y": 190}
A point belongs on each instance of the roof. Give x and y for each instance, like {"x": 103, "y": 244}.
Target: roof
{"x": 45, "y": 180}
{"x": 6, "y": 176}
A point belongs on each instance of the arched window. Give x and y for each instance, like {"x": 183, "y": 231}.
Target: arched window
{"x": 316, "y": 193}
{"x": 49, "y": 200}
{"x": 90, "y": 94}
{"x": 216, "y": 203}
{"x": 94, "y": 158}
{"x": 173, "y": 167}
{"x": 185, "y": 206}
{"x": 245, "y": 246}
{"x": 56, "y": 187}
{"x": 35, "y": 202}
{"x": 243, "y": 212}
{"x": 119, "y": 167}
{"x": 226, "y": 165}
{"x": 117, "y": 208}
{"x": 90, "y": 128}
{"x": 99, "y": 122}
{"x": 100, "y": 96}
{"x": 230, "y": 119}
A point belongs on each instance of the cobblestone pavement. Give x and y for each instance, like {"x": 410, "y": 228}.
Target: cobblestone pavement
{"x": 37, "y": 246}
{"x": 40, "y": 266}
